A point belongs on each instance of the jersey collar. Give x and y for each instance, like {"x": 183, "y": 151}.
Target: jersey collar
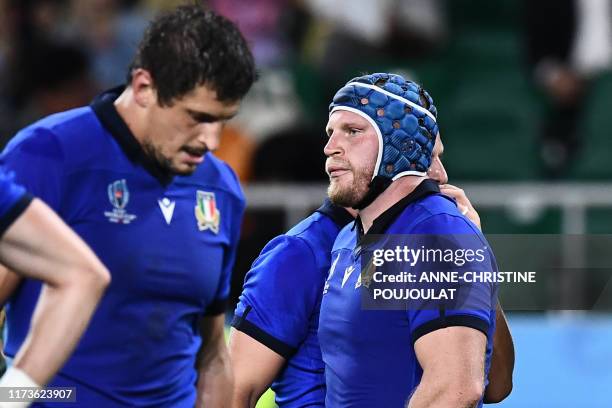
{"x": 104, "y": 108}
{"x": 384, "y": 221}
{"x": 337, "y": 214}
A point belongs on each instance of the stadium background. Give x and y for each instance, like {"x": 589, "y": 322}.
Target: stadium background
{"x": 478, "y": 58}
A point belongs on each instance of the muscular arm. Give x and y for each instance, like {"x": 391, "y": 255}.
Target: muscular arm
{"x": 215, "y": 378}
{"x": 453, "y": 368}
{"x": 39, "y": 245}
{"x": 248, "y": 354}
{"x": 502, "y": 361}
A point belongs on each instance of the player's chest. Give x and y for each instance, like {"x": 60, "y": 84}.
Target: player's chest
{"x": 153, "y": 238}
{"x": 132, "y": 204}
{"x": 347, "y": 301}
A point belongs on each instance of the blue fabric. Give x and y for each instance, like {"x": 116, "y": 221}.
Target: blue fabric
{"x": 408, "y": 134}
{"x": 282, "y": 297}
{"x": 11, "y": 193}
{"x": 140, "y": 347}
{"x": 10, "y": 196}
{"x": 369, "y": 355}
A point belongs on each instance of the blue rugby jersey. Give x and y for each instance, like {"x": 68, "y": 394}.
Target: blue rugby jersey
{"x": 169, "y": 243}
{"x": 13, "y": 201}
{"x": 280, "y": 301}
{"x": 369, "y": 354}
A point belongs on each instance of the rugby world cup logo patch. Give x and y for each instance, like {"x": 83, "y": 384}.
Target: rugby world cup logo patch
{"x": 118, "y": 194}
{"x": 207, "y": 214}
{"x": 119, "y": 197}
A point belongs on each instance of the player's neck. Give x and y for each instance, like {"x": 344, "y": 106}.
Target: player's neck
{"x": 394, "y": 193}
{"x": 129, "y": 111}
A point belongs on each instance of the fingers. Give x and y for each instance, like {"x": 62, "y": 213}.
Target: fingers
{"x": 451, "y": 189}
{"x": 463, "y": 203}
{"x": 454, "y": 192}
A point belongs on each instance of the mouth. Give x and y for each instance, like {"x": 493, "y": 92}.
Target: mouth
{"x": 335, "y": 171}
{"x": 194, "y": 155}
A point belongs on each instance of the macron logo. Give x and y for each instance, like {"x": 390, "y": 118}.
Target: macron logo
{"x": 167, "y": 208}
{"x": 347, "y": 273}
{"x": 331, "y": 273}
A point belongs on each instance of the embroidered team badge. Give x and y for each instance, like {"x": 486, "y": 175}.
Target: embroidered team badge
{"x": 207, "y": 214}
{"x": 119, "y": 196}
{"x": 365, "y": 277}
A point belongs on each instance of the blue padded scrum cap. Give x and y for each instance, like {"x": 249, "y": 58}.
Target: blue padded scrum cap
{"x": 403, "y": 116}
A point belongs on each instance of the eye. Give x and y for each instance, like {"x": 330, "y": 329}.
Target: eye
{"x": 192, "y": 121}
{"x": 354, "y": 131}
{"x": 203, "y": 117}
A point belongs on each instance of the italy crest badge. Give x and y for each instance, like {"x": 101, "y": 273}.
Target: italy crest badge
{"x": 207, "y": 214}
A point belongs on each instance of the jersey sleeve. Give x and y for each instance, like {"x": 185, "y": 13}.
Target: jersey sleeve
{"x": 280, "y": 293}
{"x": 35, "y": 157}
{"x": 473, "y": 303}
{"x": 220, "y": 303}
{"x": 14, "y": 200}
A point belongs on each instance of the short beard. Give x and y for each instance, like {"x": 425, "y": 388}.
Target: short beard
{"x": 353, "y": 194}
{"x": 162, "y": 162}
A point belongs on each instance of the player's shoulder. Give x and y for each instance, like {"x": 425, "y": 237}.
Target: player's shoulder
{"x": 285, "y": 250}
{"x": 435, "y": 204}
{"x": 216, "y": 174}
{"x": 437, "y": 215}
{"x": 318, "y": 232}
{"x": 314, "y": 227}
{"x": 303, "y": 238}
{"x": 309, "y": 240}
{"x": 58, "y": 135}
{"x": 437, "y": 212}
{"x": 67, "y": 126}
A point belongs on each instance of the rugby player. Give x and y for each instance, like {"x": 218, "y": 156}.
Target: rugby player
{"x": 382, "y": 131}
{"x": 133, "y": 174}
{"x": 274, "y": 335}
{"x": 274, "y": 340}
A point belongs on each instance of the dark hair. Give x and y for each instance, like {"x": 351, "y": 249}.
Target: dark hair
{"x": 191, "y": 46}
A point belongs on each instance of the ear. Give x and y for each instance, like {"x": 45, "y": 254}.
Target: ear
{"x": 143, "y": 88}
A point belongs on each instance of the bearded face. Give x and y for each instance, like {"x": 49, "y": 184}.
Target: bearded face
{"x": 351, "y": 157}
{"x": 349, "y": 189}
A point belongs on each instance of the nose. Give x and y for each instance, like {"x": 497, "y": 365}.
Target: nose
{"x": 437, "y": 172}
{"x": 332, "y": 148}
{"x": 210, "y": 135}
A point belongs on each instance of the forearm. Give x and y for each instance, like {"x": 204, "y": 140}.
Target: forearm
{"x": 215, "y": 378}
{"x": 61, "y": 315}
{"x": 502, "y": 361}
